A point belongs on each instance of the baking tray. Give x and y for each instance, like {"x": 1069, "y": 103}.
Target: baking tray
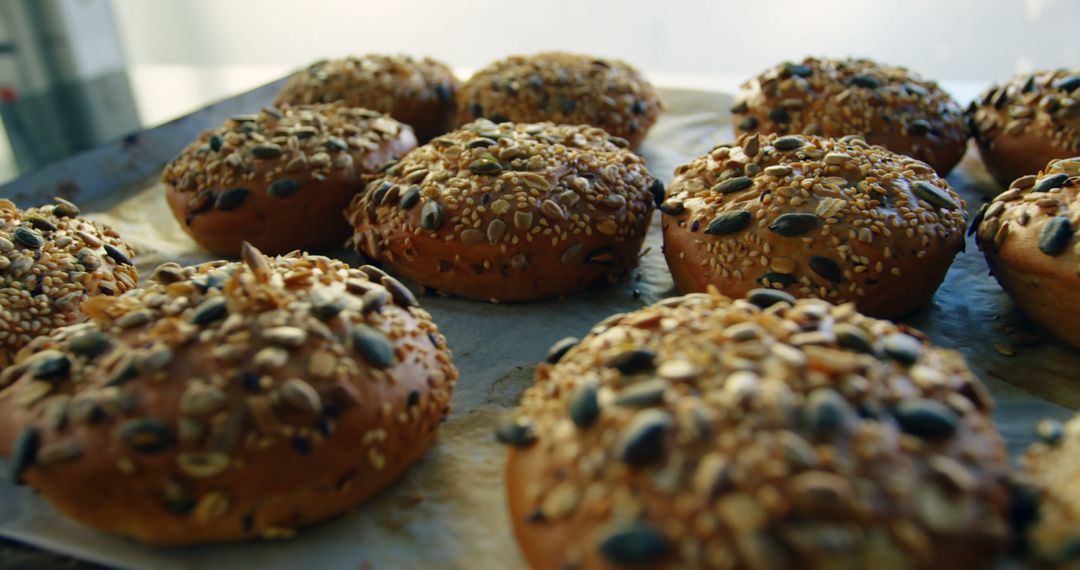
{"x": 448, "y": 511}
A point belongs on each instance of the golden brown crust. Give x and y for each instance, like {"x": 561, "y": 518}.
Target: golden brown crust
{"x": 563, "y": 88}
{"x": 1028, "y": 235}
{"x": 830, "y": 218}
{"x": 51, "y": 260}
{"x": 279, "y": 179}
{"x": 1025, "y": 123}
{"x": 509, "y": 212}
{"x": 708, "y": 433}
{"x": 229, "y": 400}
{"x": 887, "y": 105}
{"x": 418, "y": 92}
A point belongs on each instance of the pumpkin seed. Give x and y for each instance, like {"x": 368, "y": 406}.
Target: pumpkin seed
{"x": 585, "y": 404}
{"x": 515, "y": 432}
{"x": 146, "y": 436}
{"x": 633, "y": 544}
{"x": 643, "y": 394}
{"x": 728, "y": 223}
{"x": 642, "y": 441}
{"x": 788, "y": 143}
{"x": 373, "y": 346}
{"x": 29, "y": 238}
{"x": 431, "y": 215}
{"x": 49, "y": 365}
{"x": 283, "y": 188}
{"x": 486, "y": 165}
{"x": 926, "y": 419}
{"x": 560, "y": 348}
{"x": 794, "y": 224}
{"x": 827, "y": 268}
{"x": 1055, "y": 235}
{"x": 24, "y": 453}
{"x": 732, "y": 185}
{"x": 266, "y": 151}
{"x": 231, "y": 199}
{"x": 934, "y": 195}
{"x": 766, "y": 298}
{"x": 902, "y": 348}
{"x": 632, "y": 361}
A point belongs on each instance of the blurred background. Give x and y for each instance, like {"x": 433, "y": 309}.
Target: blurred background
{"x": 75, "y": 73}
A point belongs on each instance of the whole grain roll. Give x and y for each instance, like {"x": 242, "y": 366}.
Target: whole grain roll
{"x": 51, "y": 260}
{"x": 1049, "y": 494}
{"x": 1026, "y": 122}
{"x": 1029, "y": 237}
{"x": 563, "y": 88}
{"x": 280, "y": 178}
{"x": 764, "y": 433}
{"x": 228, "y": 400}
{"x": 837, "y": 219}
{"x": 886, "y": 105}
{"x": 419, "y": 92}
{"x": 509, "y": 212}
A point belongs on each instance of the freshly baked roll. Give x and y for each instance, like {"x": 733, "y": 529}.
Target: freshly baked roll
{"x": 831, "y": 218}
{"x": 51, "y": 260}
{"x": 280, "y": 178}
{"x": 563, "y": 88}
{"x": 418, "y": 92}
{"x": 1029, "y": 237}
{"x": 1027, "y": 122}
{"x": 509, "y": 212}
{"x": 1049, "y": 493}
{"x": 888, "y": 106}
{"x": 229, "y": 400}
{"x": 703, "y": 432}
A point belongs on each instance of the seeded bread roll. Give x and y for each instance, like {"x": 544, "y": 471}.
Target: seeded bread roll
{"x": 563, "y": 88}
{"x": 703, "y": 432}
{"x": 1049, "y": 469}
{"x": 228, "y": 400}
{"x": 417, "y": 92}
{"x": 51, "y": 260}
{"x": 280, "y": 178}
{"x": 831, "y": 218}
{"x": 510, "y": 212}
{"x": 1029, "y": 237}
{"x": 888, "y": 106}
{"x": 1027, "y": 122}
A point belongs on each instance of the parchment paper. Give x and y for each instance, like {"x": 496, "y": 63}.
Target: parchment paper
{"x": 448, "y": 511}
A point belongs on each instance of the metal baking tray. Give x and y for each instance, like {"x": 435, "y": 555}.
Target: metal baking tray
{"x": 448, "y": 511}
